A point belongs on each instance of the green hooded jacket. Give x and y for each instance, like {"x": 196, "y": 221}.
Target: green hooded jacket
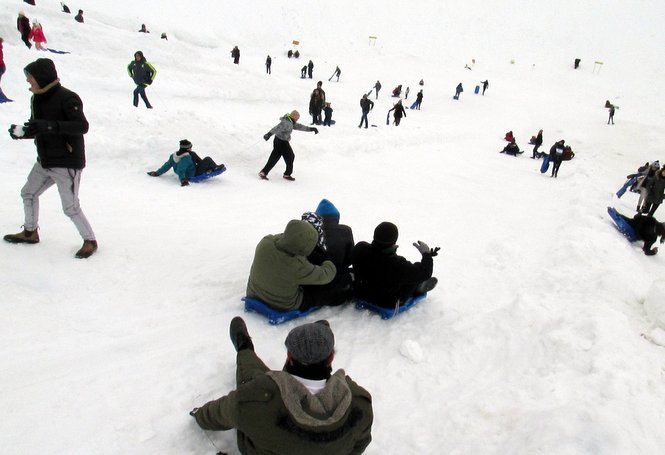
{"x": 280, "y": 267}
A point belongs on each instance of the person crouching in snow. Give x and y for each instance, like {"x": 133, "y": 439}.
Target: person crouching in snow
{"x": 327, "y": 111}
{"x": 187, "y": 164}
{"x": 511, "y": 149}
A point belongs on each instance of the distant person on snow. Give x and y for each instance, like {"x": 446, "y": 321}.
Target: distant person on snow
{"x": 3, "y": 68}
{"x": 647, "y": 229}
{"x": 187, "y": 164}
{"x": 485, "y": 85}
{"x": 366, "y": 105}
{"x": 23, "y": 26}
{"x": 268, "y": 64}
{"x": 399, "y": 112}
{"x": 235, "y": 53}
{"x": 537, "y": 142}
{"x": 65, "y": 8}
{"x": 406, "y": 93}
{"x": 30, "y": 2}
{"x": 143, "y": 73}
{"x": 37, "y": 35}
{"x": 303, "y": 409}
{"x": 327, "y": 112}
{"x": 163, "y": 36}
{"x": 310, "y": 69}
{"x": 419, "y": 99}
{"x": 556, "y": 156}
{"x": 512, "y": 148}
{"x": 303, "y": 72}
{"x": 296, "y": 54}
{"x": 655, "y": 192}
{"x": 458, "y": 90}
{"x": 611, "y": 118}
{"x": 644, "y": 175}
{"x": 79, "y": 16}
{"x": 281, "y": 147}
{"x": 384, "y": 278}
{"x": 397, "y": 91}
{"x": 143, "y": 29}
{"x": 377, "y": 87}
{"x": 57, "y": 125}
{"x": 577, "y": 63}
{"x": 317, "y": 101}
{"x": 336, "y": 73}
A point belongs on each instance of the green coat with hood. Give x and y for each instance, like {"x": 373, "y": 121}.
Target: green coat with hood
{"x": 281, "y": 267}
{"x": 274, "y": 414}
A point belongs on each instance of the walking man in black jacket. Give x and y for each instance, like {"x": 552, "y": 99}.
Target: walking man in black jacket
{"x": 366, "y": 105}
{"x": 57, "y": 124}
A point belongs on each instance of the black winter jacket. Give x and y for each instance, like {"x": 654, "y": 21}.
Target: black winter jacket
{"x": 339, "y": 242}
{"x": 382, "y": 276}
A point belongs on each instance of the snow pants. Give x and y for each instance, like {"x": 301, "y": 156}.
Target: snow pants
{"x": 280, "y": 149}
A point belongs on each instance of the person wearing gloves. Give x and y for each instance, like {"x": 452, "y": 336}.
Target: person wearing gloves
{"x": 143, "y": 74}
{"x": 302, "y": 409}
{"x": 57, "y": 125}
{"x": 281, "y": 148}
{"x": 187, "y": 164}
{"x": 384, "y": 278}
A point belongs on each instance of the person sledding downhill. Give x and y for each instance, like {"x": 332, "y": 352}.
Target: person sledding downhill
{"x": 281, "y": 147}
{"x": 187, "y": 164}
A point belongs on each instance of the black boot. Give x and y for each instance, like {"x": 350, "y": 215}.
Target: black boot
{"x": 239, "y": 335}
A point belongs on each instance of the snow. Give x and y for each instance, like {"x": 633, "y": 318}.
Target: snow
{"x": 534, "y": 341}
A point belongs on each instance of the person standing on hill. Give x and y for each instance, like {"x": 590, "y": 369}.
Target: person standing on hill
{"x": 37, "y": 35}
{"x": 536, "y": 144}
{"x": 143, "y": 73}
{"x": 377, "y": 87}
{"x": 366, "y": 105}
{"x": 281, "y": 147}
{"x": 419, "y": 99}
{"x": 79, "y": 16}
{"x": 458, "y": 90}
{"x": 23, "y": 26}
{"x": 485, "y": 85}
{"x": 611, "y": 118}
{"x": 57, "y": 125}
{"x": 268, "y": 64}
{"x": 399, "y": 112}
{"x": 310, "y": 69}
{"x": 556, "y": 155}
{"x": 235, "y": 53}
{"x": 317, "y": 101}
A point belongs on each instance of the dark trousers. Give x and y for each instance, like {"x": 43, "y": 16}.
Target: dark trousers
{"x": 335, "y": 293}
{"x": 24, "y": 38}
{"x": 555, "y": 168}
{"x": 535, "y": 151}
{"x": 207, "y": 164}
{"x": 140, "y": 90}
{"x": 363, "y": 119}
{"x": 268, "y": 69}
{"x": 397, "y": 120}
{"x": 280, "y": 149}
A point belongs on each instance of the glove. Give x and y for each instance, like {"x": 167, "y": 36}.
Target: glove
{"x": 193, "y": 412}
{"x": 267, "y": 136}
{"x": 11, "y": 130}
{"x": 153, "y": 174}
{"x": 184, "y": 183}
{"x": 425, "y": 249}
{"x": 316, "y": 131}
{"x": 34, "y": 127}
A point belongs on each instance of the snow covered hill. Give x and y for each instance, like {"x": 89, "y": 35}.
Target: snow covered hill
{"x": 532, "y": 341}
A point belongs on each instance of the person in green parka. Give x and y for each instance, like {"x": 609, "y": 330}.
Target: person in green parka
{"x": 280, "y": 270}
{"x": 304, "y": 409}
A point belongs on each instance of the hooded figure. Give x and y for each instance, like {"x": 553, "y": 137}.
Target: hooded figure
{"x": 280, "y": 267}
{"x": 57, "y": 125}
{"x": 303, "y": 409}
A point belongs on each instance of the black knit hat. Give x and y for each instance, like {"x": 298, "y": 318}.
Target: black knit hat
{"x": 385, "y": 234}
{"x": 43, "y": 70}
{"x": 185, "y": 144}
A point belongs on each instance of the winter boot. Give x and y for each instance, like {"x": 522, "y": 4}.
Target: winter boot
{"x": 23, "y": 237}
{"x": 263, "y": 175}
{"x": 288, "y": 177}
{"x": 88, "y": 249}
{"x": 239, "y": 335}
{"x": 427, "y": 285}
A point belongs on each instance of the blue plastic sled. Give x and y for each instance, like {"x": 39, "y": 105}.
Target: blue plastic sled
{"x": 477, "y": 90}
{"x": 206, "y": 176}
{"x": 625, "y": 186}
{"x": 622, "y": 226}
{"x": 413, "y": 106}
{"x": 55, "y": 51}
{"x": 389, "y": 313}
{"x": 274, "y": 316}
{"x": 546, "y": 164}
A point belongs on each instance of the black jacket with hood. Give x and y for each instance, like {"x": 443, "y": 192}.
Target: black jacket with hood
{"x": 62, "y": 145}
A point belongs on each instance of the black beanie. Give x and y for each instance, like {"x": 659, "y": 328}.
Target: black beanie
{"x": 185, "y": 144}
{"x": 385, "y": 234}
{"x": 43, "y": 70}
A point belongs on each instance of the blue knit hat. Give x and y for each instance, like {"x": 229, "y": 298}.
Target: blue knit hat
{"x": 327, "y": 208}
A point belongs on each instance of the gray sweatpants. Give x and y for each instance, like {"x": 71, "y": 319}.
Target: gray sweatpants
{"x": 68, "y": 182}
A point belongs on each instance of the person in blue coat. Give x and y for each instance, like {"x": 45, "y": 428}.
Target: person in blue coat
{"x": 187, "y": 164}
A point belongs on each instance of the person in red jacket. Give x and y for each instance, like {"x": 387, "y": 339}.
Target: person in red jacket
{"x": 37, "y": 35}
